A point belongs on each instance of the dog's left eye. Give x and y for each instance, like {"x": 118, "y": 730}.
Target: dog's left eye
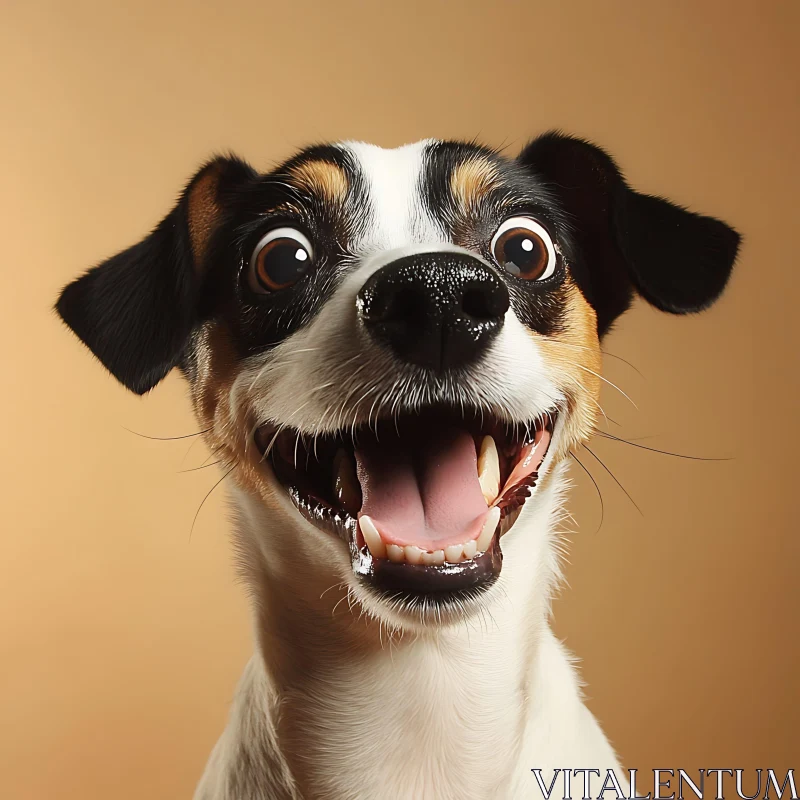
{"x": 524, "y": 248}
{"x": 279, "y": 260}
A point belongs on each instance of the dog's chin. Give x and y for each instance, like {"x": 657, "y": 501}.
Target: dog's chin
{"x": 420, "y": 502}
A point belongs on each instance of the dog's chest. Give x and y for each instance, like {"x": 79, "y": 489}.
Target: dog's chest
{"x": 418, "y": 723}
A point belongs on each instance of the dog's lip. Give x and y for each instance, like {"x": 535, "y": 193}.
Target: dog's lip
{"x": 410, "y": 580}
{"x": 412, "y": 583}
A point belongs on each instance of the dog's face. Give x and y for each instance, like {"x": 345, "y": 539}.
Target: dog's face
{"x": 390, "y": 349}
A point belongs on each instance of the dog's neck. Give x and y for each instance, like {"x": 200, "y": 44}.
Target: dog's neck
{"x": 445, "y": 708}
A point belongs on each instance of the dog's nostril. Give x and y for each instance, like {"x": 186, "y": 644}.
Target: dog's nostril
{"x": 477, "y": 303}
{"x": 404, "y": 304}
{"x": 485, "y": 299}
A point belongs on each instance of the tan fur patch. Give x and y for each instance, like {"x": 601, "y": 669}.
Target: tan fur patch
{"x": 203, "y": 213}
{"x": 322, "y": 178}
{"x": 574, "y": 361}
{"x": 215, "y": 372}
{"x": 471, "y": 181}
{"x": 226, "y": 422}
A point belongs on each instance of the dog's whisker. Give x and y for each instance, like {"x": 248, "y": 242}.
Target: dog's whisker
{"x": 167, "y": 438}
{"x": 597, "y": 488}
{"x": 338, "y": 603}
{"x": 614, "y": 477}
{"x": 276, "y": 365}
{"x": 203, "y": 502}
{"x": 583, "y": 348}
{"x": 268, "y": 448}
{"x": 619, "y": 439}
{"x": 605, "y": 380}
{"x": 202, "y": 466}
{"x": 338, "y": 585}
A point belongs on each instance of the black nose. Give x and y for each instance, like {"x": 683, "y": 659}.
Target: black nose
{"x": 435, "y": 310}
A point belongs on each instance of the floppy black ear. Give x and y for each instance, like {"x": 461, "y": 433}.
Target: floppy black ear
{"x": 136, "y": 310}
{"x": 677, "y": 260}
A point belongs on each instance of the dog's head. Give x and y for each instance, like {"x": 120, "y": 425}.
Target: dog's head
{"x": 390, "y": 348}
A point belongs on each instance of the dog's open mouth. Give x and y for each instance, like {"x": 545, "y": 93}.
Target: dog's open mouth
{"x": 422, "y": 499}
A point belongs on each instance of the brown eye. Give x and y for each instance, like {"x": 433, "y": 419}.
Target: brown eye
{"x": 280, "y": 259}
{"x": 524, "y": 248}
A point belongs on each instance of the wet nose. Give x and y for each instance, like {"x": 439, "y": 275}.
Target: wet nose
{"x": 439, "y": 311}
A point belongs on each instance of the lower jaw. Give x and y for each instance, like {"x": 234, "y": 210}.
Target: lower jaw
{"x": 444, "y": 583}
{"x": 412, "y": 586}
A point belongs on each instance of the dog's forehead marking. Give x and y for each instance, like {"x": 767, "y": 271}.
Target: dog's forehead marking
{"x": 323, "y": 178}
{"x": 393, "y": 177}
{"x": 472, "y": 180}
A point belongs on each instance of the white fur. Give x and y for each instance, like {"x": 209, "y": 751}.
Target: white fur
{"x": 346, "y": 699}
{"x": 398, "y": 216}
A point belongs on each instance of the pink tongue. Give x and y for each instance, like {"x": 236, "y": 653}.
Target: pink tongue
{"x": 424, "y": 492}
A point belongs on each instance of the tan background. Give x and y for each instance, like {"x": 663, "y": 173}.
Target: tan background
{"x": 122, "y": 637}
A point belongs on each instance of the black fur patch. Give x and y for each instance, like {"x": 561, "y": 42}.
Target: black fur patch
{"x": 136, "y": 310}
{"x": 629, "y": 242}
{"x": 261, "y": 321}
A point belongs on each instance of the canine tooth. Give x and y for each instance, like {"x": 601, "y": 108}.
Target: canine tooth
{"x": 413, "y": 554}
{"x": 453, "y": 553}
{"x": 470, "y": 549}
{"x": 489, "y": 470}
{"x": 485, "y": 539}
{"x": 371, "y": 536}
{"x": 395, "y": 553}
{"x": 345, "y": 483}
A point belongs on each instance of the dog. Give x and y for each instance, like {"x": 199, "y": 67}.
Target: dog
{"x": 393, "y": 351}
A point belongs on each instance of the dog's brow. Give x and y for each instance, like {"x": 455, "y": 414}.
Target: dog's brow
{"x": 472, "y": 181}
{"x": 322, "y": 178}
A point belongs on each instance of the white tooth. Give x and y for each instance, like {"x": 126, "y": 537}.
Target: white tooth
{"x": 433, "y": 559}
{"x": 413, "y": 554}
{"x": 372, "y": 537}
{"x": 489, "y": 470}
{"x": 485, "y": 539}
{"x": 395, "y": 553}
{"x": 453, "y": 553}
{"x": 470, "y": 549}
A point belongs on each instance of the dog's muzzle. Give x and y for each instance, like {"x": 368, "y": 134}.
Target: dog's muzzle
{"x": 421, "y": 495}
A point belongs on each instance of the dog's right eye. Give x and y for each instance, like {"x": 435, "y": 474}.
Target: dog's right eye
{"x": 279, "y": 260}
